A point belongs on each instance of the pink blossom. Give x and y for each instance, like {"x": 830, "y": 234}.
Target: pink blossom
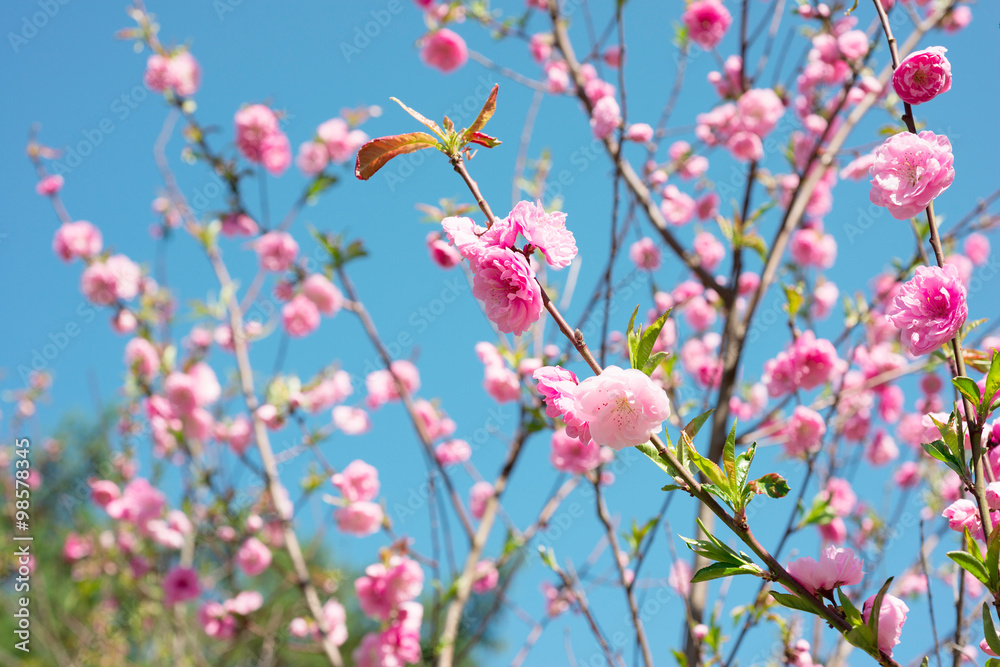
{"x": 276, "y": 153}
{"x": 707, "y": 206}
{"x": 479, "y": 495}
{"x": 698, "y": 313}
{"x": 571, "y": 455}
{"x": 385, "y": 587}
{"x": 180, "y": 585}
{"x": 157, "y": 77}
{"x": 806, "y": 364}
{"x": 451, "y": 452}
{"x": 436, "y": 423}
{"x": 441, "y": 252}
{"x": 318, "y": 289}
{"x": 677, "y": 207}
{"x": 253, "y": 557}
{"x": 963, "y": 514}
{"x": 745, "y": 146}
{"x": 341, "y": 142}
{"x": 256, "y": 124}
{"x": 836, "y": 567}
{"x": 444, "y": 50}
{"x": 707, "y": 22}
{"x": 216, "y": 620}
{"x": 142, "y": 358}
{"x": 328, "y": 392}
{"x": 184, "y": 74}
{"x": 485, "y": 576}
{"x": 506, "y": 285}
{"x": 351, "y": 420}
{"x": 804, "y": 432}
{"x": 559, "y": 387}
{"x": 929, "y": 309}
{"x": 103, "y": 492}
{"x": 358, "y": 481}
{"x": 882, "y": 450}
{"x": 381, "y": 385}
{"x": 680, "y": 577}
{"x": 759, "y": 110}
{"x": 300, "y": 316}
{"x": 239, "y": 434}
{"x": 811, "y": 247}
{"x": 835, "y": 531}
{"x": 138, "y": 504}
{"x": 639, "y": 132}
{"x": 75, "y": 547}
{"x": 49, "y": 185}
{"x": 645, "y": 254}
{"x": 276, "y": 251}
{"x": 709, "y": 250}
{"x": 606, "y": 117}
{"x": 77, "y": 239}
{"x": 858, "y": 168}
{"x": 540, "y": 47}
{"x": 956, "y": 19}
{"x": 922, "y": 75}
{"x": 501, "y": 383}
{"x": 360, "y": 518}
{"x": 853, "y": 44}
{"x": 824, "y": 296}
{"x": 622, "y": 407}
{"x": 840, "y": 496}
{"x": 312, "y": 158}
{"x": 907, "y": 475}
{"x": 545, "y": 231}
{"x": 909, "y": 171}
{"x": 238, "y": 224}
{"x": 993, "y": 495}
{"x": 336, "y": 621}
{"x": 977, "y": 248}
{"x": 891, "y": 617}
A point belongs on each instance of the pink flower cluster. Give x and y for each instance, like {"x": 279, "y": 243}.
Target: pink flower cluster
{"x": 261, "y": 140}
{"x": 106, "y": 282}
{"x": 806, "y": 364}
{"x": 381, "y": 384}
{"x": 179, "y": 73}
{"x": 743, "y": 125}
{"x": 707, "y": 22}
{"x": 336, "y": 621}
{"x": 909, "y": 171}
{"x": 618, "y": 408}
{"x": 358, "y": 484}
{"x": 572, "y": 455}
{"x": 929, "y": 309}
{"x": 499, "y": 381}
{"x": 835, "y": 568}
{"x": 504, "y": 280}
{"x": 387, "y": 593}
{"x": 335, "y": 142}
{"x": 922, "y": 75}
{"x": 301, "y": 315}
{"x": 77, "y": 239}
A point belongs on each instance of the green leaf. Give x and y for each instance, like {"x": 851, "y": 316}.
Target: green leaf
{"x": 992, "y": 555}
{"x": 850, "y": 611}
{"x": 969, "y": 389}
{"x": 729, "y": 456}
{"x": 877, "y": 608}
{"x": 992, "y": 382}
{"x": 743, "y": 462}
{"x": 792, "y": 602}
{"x": 679, "y": 657}
{"x": 720, "y": 570}
{"x": 939, "y": 450}
{"x": 990, "y": 630}
{"x": 377, "y": 152}
{"x": 969, "y": 563}
{"x": 709, "y": 468}
{"x": 772, "y": 485}
{"x": 990, "y": 662}
{"x": 320, "y": 184}
{"x": 863, "y": 638}
{"x": 693, "y": 426}
{"x": 794, "y": 299}
{"x": 654, "y": 455}
{"x": 632, "y": 338}
{"x": 428, "y": 123}
{"x": 654, "y": 361}
{"x": 647, "y": 340}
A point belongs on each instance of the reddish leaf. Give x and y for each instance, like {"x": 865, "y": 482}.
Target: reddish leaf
{"x": 427, "y": 122}
{"x": 483, "y": 139}
{"x": 485, "y": 114}
{"x": 377, "y": 152}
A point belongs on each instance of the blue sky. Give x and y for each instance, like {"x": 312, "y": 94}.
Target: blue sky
{"x": 85, "y": 89}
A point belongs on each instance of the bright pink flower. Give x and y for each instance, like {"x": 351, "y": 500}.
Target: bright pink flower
{"x": 977, "y": 248}
{"x": 103, "y": 491}
{"x": 836, "y": 567}
{"x": 381, "y": 385}
{"x": 811, "y": 247}
{"x": 891, "y": 617}
{"x": 360, "y": 518}
{"x": 138, "y": 504}
{"x": 571, "y": 455}
{"x": 907, "y": 475}
{"x": 540, "y": 47}
{"x": 645, "y": 254}
{"x": 180, "y": 585}
{"x": 639, "y": 132}
{"x": 840, "y": 496}
{"x": 807, "y": 364}
{"x": 707, "y": 22}
{"x": 853, "y": 44}
{"x": 506, "y": 285}
{"x": 276, "y": 251}
{"x": 759, "y": 111}
{"x": 75, "y": 547}
{"x": 929, "y": 309}
{"x": 707, "y": 206}
{"x": 922, "y": 75}
{"x": 745, "y": 146}
{"x": 677, "y": 207}
{"x": 184, "y": 74}
{"x": 559, "y": 387}
{"x": 253, "y": 557}
{"x": 312, "y": 158}
{"x": 963, "y": 514}
{"x": 835, "y": 531}
{"x": 622, "y": 407}
{"x": 909, "y": 171}
{"x": 882, "y": 450}
{"x": 385, "y": 588}
{"x": 480, "y": 493}
{"x": 77, "y": 239}
{"x": 486, "y": 576}
{"x": 157, "y": 77}
{"x": 452, "y": 451}
{"x": 606, "y": 117}
{"x": 255, "y": 125}
{"x": 276, "y": 153}
{"x": 358, "y": 481}
{"x": 238, "y": 224}
{"x": 352, "y": 421}
{"x": 49, "y": 185}
{"x": 318, "y": 289}
{"x": 341, "y": 142}
{"x": 444, "y": 50}
{"x": 709, "y": 250}
{"x": 442, "y": 253}
{"x": 804, "y": 432}
{"x": 698, "y": 313}
{"x": 142, "y": 358}
{"x": 545, "y": 231}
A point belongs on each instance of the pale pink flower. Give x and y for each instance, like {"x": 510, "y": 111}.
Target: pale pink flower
{"x": 318, "y": 289}
{"x": 639, "y": 132}
{"x": 276, "y": 153}
{"x": 300, "y": 316}
{"x": 238, "y": 224}
{"x": 956, "y": 19}
{"x": 239, "y": 434}
{"x": 216, "y": 620}
{"x": 506, "y": 285}
{"x": 540, "y": 47}
{"x": 836, "y": 567}
{"x": 485, "y": 576}
{"x": 622, "y": 407}
{"x": 909, "y": 171}
{"x": 350, "y": 420}
{"x": 442, "y": 253}
{"x": 180, "y": 585}
{"x": 341, "y": 142}
{"x": 571, "y": 455}
{"x": 138, "y": 504}
{"x": 384, "y": 588}
{"x": 804, "y": 432}
{"x": 545, "y": 231}
{"x": 276, "y": 251}
{"x": 645, "y": 254}
{"x": 707, "y": 22}
{"x": 444, "y": 50}
{"x": 381, "y": 385}
{"x": 891, "y": 618}
{"x": 677, "y": 207}
{"x": 882, "y": 450}
{"x": 75, "y": 547}
{"x": 142, "y": 358}
{"x": 963, "y": 514}
{"x": 759, "y": 110}
{"x": 977, "y": 248}
{"x": 606, "y": 117}
{"x": 929, "y": 309}
{"x": 358, "y": 481}
{"x": 49, "y": 185}
{"x": 840, "y": 496}
{"x": 809, "y": 246}
{"x": 255, "y": 125}
{"x": 253, "y": 557}
{"x": 184, "y": 74}
{"x": 709, "y": 250}
{"x": 312, "y": 158}
{"x": 825, "y": 296}
{"x": 853, "y": 44}
{"x": 336, "y": 621}
{"x": 745, "y": 146}
{"x": 479, "y": 495}
{"x": 330, "y": 391}
{"x": 77, "y": 239}
{"x": 451, "y": 452}
{"x": 501, "y": 383}
{"x": 858, "y": 168}
{"x": 907, "y": 475}
{"x": 680, "y": 577}
{"x": 103, "y": 491}
{"x": 807, "y": 364}
{"x": 993, "y": 495}
{"x": 707, "y": 206}
{"x": 559, "y": 387}
{"x": 922, "y": 75}
{"x": 156, "y": 76}
{"x": 360, "y": 518}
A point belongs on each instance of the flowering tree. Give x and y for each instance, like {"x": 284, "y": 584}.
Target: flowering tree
{"x": 223, "y": 570}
